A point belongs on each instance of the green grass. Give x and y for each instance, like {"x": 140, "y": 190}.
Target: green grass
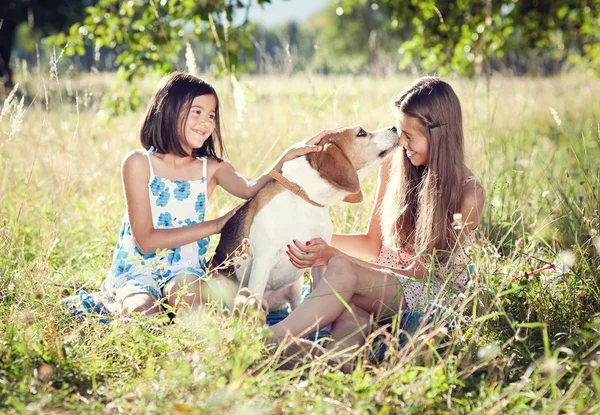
{"x": 525, "y": 348}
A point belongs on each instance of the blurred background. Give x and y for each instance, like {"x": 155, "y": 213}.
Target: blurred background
{"x": 472, "y": 38}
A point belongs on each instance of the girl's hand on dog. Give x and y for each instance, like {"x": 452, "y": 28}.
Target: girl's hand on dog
{"x": 312, "y": 253}
{"x": 219, "y": 223}
{"x": 302, "y": 148}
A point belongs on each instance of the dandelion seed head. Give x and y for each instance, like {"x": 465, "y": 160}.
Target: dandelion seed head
{"x": 567, "y": 257}
{"x": 488, "y": 352}
{"x": 44, "y": 373}
{"x": 550, "y": 366}
{"x": 27, "y": 317}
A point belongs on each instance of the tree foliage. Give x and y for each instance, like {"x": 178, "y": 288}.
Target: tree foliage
{"x": 149, "y": 37}
{"x": 464, "y": 36}
{"x": 43, "y": 16}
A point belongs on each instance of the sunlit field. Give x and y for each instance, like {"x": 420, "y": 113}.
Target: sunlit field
{"x": 522, "y": 347}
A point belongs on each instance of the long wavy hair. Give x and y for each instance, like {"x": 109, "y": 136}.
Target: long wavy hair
{"x": 163, "y": 124}
{"x": 420, "y": 202}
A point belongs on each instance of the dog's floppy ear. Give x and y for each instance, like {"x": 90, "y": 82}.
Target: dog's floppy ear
{"x": 354, "y": 197}
{"x": 336, "y": 168}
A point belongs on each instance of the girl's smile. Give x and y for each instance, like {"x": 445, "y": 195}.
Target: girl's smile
{"x": 413, "y": 140}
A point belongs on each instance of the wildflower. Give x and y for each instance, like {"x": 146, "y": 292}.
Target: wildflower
{"x": 39, "y": 294}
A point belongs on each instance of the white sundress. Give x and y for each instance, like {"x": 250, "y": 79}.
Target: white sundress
{"x": 174, "y": 204}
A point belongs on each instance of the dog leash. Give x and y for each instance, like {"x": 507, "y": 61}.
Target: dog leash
{"x": 293, "y": 187}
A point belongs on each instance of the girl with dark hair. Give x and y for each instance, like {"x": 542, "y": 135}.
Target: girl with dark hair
{"x": 427, "y": 204}
{"x": 164, "y": 238}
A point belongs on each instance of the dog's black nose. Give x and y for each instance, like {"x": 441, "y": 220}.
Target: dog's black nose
{"x": 393, "y": 129}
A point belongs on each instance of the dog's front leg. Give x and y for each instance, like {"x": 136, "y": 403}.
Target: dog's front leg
{"x": 259, "y": 276}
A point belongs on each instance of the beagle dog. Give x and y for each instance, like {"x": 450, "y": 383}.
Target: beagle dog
{"x": 296, "y": 206}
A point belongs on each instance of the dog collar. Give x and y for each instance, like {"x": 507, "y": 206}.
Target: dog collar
{"x": 293, "y": 187}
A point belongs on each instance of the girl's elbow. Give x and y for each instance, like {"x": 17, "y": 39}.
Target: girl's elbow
{"x": 249, "y": 194}
{"x": 143, "y": 244}
{"x": 375, "y": 245}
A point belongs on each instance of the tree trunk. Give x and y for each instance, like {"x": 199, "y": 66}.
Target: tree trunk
{"x": 7, "y": 34}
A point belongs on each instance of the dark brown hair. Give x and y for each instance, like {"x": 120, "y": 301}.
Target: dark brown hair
{"x": 163, "y": 123}
{"x": 420, "y": 202}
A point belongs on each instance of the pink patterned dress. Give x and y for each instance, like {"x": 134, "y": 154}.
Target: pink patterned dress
{"x": 442, "y": 288}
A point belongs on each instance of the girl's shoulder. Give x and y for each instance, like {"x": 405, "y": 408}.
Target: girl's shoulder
{"x": 214, "y": 165}
{"x": 135, "y": 165}
{"x": 472, "y": 191}
{"x": 135, "y": 158}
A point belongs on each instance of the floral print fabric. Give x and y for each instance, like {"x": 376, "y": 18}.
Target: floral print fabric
{"x": 174, "y": 204}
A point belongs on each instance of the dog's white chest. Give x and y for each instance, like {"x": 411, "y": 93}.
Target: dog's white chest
{"x": 285, "y": 218}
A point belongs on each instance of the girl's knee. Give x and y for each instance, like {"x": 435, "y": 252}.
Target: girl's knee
{"x": 187, "y": 284}
{"x": 339, "y": 263}
{"x": 353, "y": 315}
{"x": 184, "y": 288}
{"x": 140, "y": 303}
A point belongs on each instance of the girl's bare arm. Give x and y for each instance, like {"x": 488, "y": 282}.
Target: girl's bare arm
{"x": 239, "y": 185}
{"x": 367, "y": 245}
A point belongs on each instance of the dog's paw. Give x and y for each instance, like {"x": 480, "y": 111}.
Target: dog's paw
{"x": 247, "y": 304}
{"x": 265, "y": 307}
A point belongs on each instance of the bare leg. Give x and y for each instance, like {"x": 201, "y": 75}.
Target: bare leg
{"x": 351, "y": 328}
{"x": 344, "y": 282}
{"x": 184, "y": 292}
{"x": 140, "y": 303}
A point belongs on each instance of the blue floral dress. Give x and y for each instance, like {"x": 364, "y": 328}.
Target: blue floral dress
{"x": 174, "y": 204}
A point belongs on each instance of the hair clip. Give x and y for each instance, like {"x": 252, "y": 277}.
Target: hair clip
{"x": 438, "y": 125}
{"x": 151, "y": 150}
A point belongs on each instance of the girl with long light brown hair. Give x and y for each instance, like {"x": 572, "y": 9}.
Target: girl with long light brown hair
{"x": 427, "y": 204}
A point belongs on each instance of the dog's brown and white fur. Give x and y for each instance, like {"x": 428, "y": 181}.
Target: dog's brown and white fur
{"x": 276, "y": 216}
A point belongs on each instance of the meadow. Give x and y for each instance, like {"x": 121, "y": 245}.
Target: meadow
{"x": 523, "y": 347}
